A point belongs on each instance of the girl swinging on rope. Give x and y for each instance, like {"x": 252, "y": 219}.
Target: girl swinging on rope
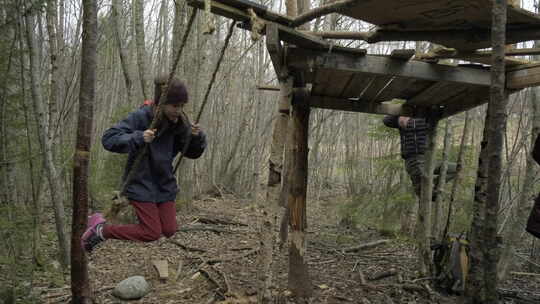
{"x": 151, "y": 188}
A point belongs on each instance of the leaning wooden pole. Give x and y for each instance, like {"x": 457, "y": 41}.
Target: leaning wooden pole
{"x": 299, "y": 280}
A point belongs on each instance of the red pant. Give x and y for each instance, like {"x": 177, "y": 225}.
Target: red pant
{"x": 155, "y": 219}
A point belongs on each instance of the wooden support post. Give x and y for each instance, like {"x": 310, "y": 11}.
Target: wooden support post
{"x": 299, "y": 280}
{"x": 423, "y": 224}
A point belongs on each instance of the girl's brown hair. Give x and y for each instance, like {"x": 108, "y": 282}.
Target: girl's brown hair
{"x": 177, "y": 92}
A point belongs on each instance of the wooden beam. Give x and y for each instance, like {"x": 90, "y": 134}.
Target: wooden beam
{"x": 524, "y": 78}
{"x": 273, "y": 45}
{"x": 267, "y": 88}
{"x": 466, "y": 100}
{"x": 483, "y": 57}
{"x": 435, "y": 94}
{"x": 364, "y": 106}
{"x": 404, "y": 54}
{"x": 333, "y": 7}
{"x": 378, "y": 65}
{"x": 237, "y": 10}
{"x": 464, "y": 40}
{"x": 459, "y": 39}
{"x": 300, "y": 39}
{"x": 341, "y": 35}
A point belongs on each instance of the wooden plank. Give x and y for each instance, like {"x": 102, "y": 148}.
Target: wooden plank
{"x": 331, "y": 82}
{"x": 162, "y": 267}
{"x": 375, "y": 88}
{"x": 468, "y": 40}
{"x": 404, "y": 88}
{"x": 483, "y": 57}
{"x": 364, "y": 106}
{"x": 436, "y": 14}
{"x": 275, "y": 50}
{"x": 357, "y": 85}
{"x": 237, "y": 10}
{"x": 468, "y": 99}
{"x": 405, "y": 54}
{"x": 436, "y": 94}
{"x": 379, "y": 65}
{"x": 312, "y": 42}
{"x": 524, "y": 78}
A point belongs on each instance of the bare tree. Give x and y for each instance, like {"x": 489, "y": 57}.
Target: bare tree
{"x": 138, "y": 22}
{"x": 46, "y": 144}
{"x": 80, "y": 286}
{"x": 124, "y": 60}
{"x": 437, "y": 204}
{"x": 498, "y": 102}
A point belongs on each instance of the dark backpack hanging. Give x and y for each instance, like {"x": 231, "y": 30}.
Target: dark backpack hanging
{"x": 451, "y": 263}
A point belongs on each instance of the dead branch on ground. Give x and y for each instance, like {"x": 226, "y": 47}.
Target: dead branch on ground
{"x": 366, "y": 246}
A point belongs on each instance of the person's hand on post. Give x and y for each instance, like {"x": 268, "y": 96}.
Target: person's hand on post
{"x": 195, "y": 130}
{"x": 402, "y": 121}
{"x": 149, "y": 135}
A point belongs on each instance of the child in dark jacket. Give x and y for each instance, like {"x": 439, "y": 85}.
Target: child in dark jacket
{"x": 152, "y": 188}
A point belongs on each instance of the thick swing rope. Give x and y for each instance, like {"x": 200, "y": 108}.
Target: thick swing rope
{"x": 157, "y": 115}
{"x": 207, "y": 93}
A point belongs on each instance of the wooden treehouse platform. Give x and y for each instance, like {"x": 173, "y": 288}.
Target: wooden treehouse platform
{"x": 403, "y": 83}
{"x": 314, "y": 72}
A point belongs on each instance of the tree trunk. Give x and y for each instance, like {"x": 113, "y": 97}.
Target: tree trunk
{"x": 177, "y": 29}
{"x": 475, "y": 288}
{"x": 124, "y": 59}
{"x": 423, "y": 224}
{"x": 299, "y": 280}
{"x": 52, "y": 172}
{"x": 459, "y": 165}
{"x": 55, "y": 93}
{"x": 80, "y": 285}
{"x": 498, "y": 102}
{"x": 138, "y": 21}
{"x": 163, "y": 64}
{"x": 437, "y": 204}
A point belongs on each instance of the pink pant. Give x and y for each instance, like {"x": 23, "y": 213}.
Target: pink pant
{"x": 155, "y": 219}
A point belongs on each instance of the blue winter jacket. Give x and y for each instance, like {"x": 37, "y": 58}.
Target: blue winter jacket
{"x": 153, "y": 180}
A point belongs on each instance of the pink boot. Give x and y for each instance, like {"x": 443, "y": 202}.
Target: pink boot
{"x": 93, "y": 234}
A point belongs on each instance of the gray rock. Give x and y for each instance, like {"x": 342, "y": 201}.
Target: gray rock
{"x": 131, "y": 288}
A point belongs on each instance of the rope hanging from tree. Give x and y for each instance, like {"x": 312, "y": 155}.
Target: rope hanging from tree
{"x": 207, "y": 93}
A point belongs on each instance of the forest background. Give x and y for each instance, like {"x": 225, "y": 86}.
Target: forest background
{"x": 40, "y": 49}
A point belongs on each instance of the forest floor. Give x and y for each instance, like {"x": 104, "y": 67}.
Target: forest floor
{"x": 212, "y": 259}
